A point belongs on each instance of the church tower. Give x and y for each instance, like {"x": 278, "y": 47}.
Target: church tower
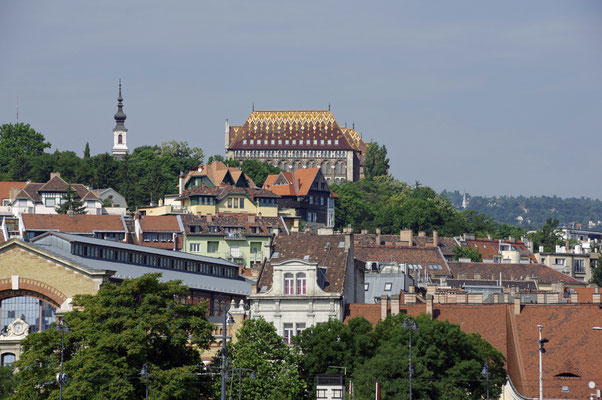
{"x": 120, "y": 148}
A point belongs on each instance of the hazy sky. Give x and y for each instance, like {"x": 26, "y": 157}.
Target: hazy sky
{"x": 489, "y": 97}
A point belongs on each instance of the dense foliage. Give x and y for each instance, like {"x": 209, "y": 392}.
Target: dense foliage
{"x": 467, "y": 252}
{"x": 548, "y": 236}
{"x": 386, "y": 203}
{"x": 114, "y": 333}
{"x": 376, "y": 162}
{"x": 71, "y": 203}
{"x": 260, "y": 349}
{"x": 447, "y": 361}
{"x": 145, "y": 175}
{"x": 532, "y": 212}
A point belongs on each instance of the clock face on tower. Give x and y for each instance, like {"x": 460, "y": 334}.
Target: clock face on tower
{"x": 18, "y": 328}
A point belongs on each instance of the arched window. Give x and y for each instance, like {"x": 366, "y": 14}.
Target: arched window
{"x": 120, "y": 139}
{"x": 37, "y": 313}
{"x": 8, "y": 359}
{"x": 289, "y": 284}
{"x": 301, "y": 283}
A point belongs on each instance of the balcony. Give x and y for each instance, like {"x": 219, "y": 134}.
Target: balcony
{"x": 235, "y": 236}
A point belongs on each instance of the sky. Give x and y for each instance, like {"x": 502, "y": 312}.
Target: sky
{"x": 490, "y": 98}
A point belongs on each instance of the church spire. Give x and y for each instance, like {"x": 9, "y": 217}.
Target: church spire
{"x": 120, "y": 115}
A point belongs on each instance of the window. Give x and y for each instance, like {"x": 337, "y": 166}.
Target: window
{"x": 230, "y": 203}
{"x": 294, "y": 141}
{"x": 265, "y": 141}
{"x": 244, "y": 141}
{"x": 321, "y": 201}
{"x": 195, "y": 247}
{"x": 579, "y": 266}
{"x": 91, "y": 203}
{"x": 212, "y": 247}
{"x": 289, "y": 283}
{"x": 366, "y": 287}
{"x": 315, "y": 141}
{"x": 273, "y": 141}
{"x": 234, "y": 251}
{"x": 235, "y": 202}
{"x": 329, "y": 142}
{"x": 337, "y": 393}
{"x": 322, "y": 394}
{"x": 50, "y": 201}
{"x": 388, "y": 286}
{"x": 311, "y": 199}
{"x": 242, "y": 203}
{"x": 336, "y": 141}
{"x": 288, "y": 333}
{"x": 301, "y": 283}
{"x": 300, "y": 328}
{"x": 37, "y": 313}
{"x": 435, "y": 266}
{"x": 252, "y": 141}
{"x": 279, "y": 141}
{"x": 300, "y": 141}
{"x": 559, "y": 261}
{"x": 543, "y": 260}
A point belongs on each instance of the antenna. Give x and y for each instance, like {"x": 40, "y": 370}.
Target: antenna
{"x": 253, "y": 107}
{"x": 353, "y": 125}
{"x": 328, "y": 106}
{"x": 17, "y": 108}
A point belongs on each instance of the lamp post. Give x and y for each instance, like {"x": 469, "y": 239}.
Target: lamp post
{"x": 410, "y": 324}
{"x": 541, "y": 351}
{"x": 224, "y": 352}
{"x": 485, "y": 372}
{"x": 61, "y": 377}
{"x": 144, "y": 373}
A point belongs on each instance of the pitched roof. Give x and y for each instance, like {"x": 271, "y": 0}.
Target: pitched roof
{"x": 446, "y": 244}
{"x": 326, "y": 250}
{"x": 216, "y": 172}
{"x": 538, "y": 272}
{"x": 80, "y": 223}
{"x": 5, "y": 188}
{"x": 296, "y": 183}
{"x": 250, "y": 225}
{"x": 405, "y": 255}
{"x": 491, "y": 247}
{"x": 160, "y": 223}
{"x": 55, "y": 184}
{"x": 312, "y": 127}
{"x": 221, "y": 192}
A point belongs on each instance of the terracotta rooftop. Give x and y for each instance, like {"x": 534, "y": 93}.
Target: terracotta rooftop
{"x": 326, "y": 250}
{"x": 446, "y": 244}
{"x": 423, "y": 256}
{"x": 216, "y": 172}
{"x": 314, "y": 129}
{"x": 538, "y": 272}
{"x": 160, "y": 223}
{"x": 79, "y": 223}
{"x": 491, "y": 247}
{"x": 221, "y": 192}
{"x": 5, "y": 188}
{"x": 250, "y": 225}
{"x": 296, "y": 183}
{"x": 573, "y": 353}
{"x": 55, "y": 184}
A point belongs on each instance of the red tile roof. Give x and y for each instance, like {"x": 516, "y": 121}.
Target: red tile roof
{"x": 6, "y": 186}
{"x": 326, "y": 250}
{"x": 216, "y": 172}
{"x": 572, "y": 355}
{"x": 250, "y": 225}
{"x": 491, "y": 247}
{"x": 315, "y": 128}
{"x": 221, "y": 192}
{"x": 81, "y": 223}
{"x": 297, "y": 183}
{"x": 55, "y": 184}
{"x": 446, "y": 244}
{"x": 160, "y": 223}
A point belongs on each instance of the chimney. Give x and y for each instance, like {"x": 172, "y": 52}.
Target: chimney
{"x": 421, "y": 234}
{"x": 53, "y": 174}
{"x": 383, "y": 306}
{"x": 435, "y": 239}
{"x": 574, "y": 298}
{"x": 364, "y": 231}
{"x": 429, "y": 305}
{"x": 209, "y": 218}
{"x": 181, "y": 182}
{"x": 349, "y": 239}
{"x": 251, "y": 218}
{"x": 517, "y": 305}
{"x": 406, "y": 236}
{"x": 568, "y": 246}
{"x": 596, "y": 296}
{"x": 378, "y": 236}
{"x": 395, "y": 304}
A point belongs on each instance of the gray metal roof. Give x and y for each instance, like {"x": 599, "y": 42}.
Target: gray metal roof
{"x": 124, "y": 270}
{"x": 136, "y": 247}
{"x": 376, "y": 285}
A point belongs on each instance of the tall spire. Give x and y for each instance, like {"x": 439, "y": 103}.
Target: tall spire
{"x": 120, "y": 115}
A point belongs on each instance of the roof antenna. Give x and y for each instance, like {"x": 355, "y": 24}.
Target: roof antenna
{"x": 253, "y": 107}
{"x": 328, "y": 106}
{"x": 17, "y": 108}
{"x": 353, "y": 126}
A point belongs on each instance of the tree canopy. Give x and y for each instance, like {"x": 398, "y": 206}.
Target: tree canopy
{"x": 112, "y": 335}
{"x": 71, "y": 203}
{"x": 376, "y": 162}
{"x": 467, "y": 252}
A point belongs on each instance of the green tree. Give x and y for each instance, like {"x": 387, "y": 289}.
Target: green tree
{"x": 597, "y": 273}
{"x": 87, "y": 150}
{"x": 447, "y": 362}
{"x": 71, "y": 203}
{"x": 376, "y": 162}
{"x": 7, "y": 381}
{"x": 104, "y": 171}
{"x": 548, "y": 236}
{"x": 114, "y": 333}
{"x": 258, "y": 171}
{"x": 262, "y": 350}
{"x": 18, "y": 140}
{"x": 467, "y": 252}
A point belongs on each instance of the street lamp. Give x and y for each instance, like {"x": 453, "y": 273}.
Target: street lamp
{"x": 224, "y": 351}
{"x": 485, "y": 372}
{"x": 144, "y": 372}
{"x": 61, "y": 377}
{"x": 541, "y": 351}
{"x": 410, "y": 324}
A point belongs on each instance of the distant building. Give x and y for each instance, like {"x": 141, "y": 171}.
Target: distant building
{"x": 120, "y": 147}
{"x": 306, "y": 192}
{"x": 291, "y": 140}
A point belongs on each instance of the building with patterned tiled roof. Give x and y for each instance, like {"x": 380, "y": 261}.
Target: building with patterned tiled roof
{"x": 308, "y": 279}
{"x": 293, "y": 140}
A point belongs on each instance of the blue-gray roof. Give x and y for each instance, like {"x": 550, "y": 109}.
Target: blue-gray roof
{"x": 375, "y": 285}
{"x": 56, "y": 243}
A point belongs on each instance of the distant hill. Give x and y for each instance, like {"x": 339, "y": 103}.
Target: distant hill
{"x": 532, "y": 212}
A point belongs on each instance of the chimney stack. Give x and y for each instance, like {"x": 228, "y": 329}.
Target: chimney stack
{"x": 378, "y": 236}
{"x": 209, "y": 218}
{"x": 349, "y": 238}
{"x": 395, "y": 304}
{"x": 517, "y": 305}
{"x": 181, "y": 182}
{"x": 406, "y": 235}
{"x": 383, "y": 306}
{"x": 435, "y": 239}
{"x": 429, "y": 305}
